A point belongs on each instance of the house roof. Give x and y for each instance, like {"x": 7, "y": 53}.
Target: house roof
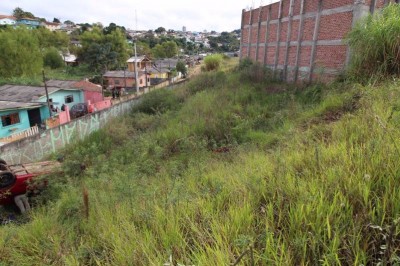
{"x": 73, "y": 84}
{"x": 52, "y": 23}
{"x": 121, "y": 74}
{"x": 87, "y": 86}
{"x": 10, "y": 105}
{"x": 25, "y": 94}
{"x": 6, "y": 16}
{"x": 138, "y": 59}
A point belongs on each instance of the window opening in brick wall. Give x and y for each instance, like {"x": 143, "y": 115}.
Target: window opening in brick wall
{"x": 10, "y": 119}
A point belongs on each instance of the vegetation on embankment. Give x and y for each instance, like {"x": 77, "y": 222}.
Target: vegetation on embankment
{"x": 228, "y": 162}
{"x": 375, "y": 45}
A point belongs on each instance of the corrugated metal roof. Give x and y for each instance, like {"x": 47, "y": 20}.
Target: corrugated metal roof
{"x": 73, "y": 84}
{"x": 138, "y": 59}
{"x": 61, "y": 83}
{"x": 20, "y": 93}
{"x": 120, "y": 74}
{"x": 10, "y": 105}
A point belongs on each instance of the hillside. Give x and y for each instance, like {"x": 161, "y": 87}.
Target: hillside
{"x": 228, "y": 164}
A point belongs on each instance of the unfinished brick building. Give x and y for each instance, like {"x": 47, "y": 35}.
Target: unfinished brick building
{"x": 303, "y": 39}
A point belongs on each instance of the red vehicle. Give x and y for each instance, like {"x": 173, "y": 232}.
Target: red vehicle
{"x": 17, "y": 180}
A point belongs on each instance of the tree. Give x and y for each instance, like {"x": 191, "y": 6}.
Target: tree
{"x": 49, "y": 38}
{"x": 158, "y": 51}
{"x": 19, "y": 53}
{"x": 69, "y": 22}
{"x": 19, "y": 13}
{"x": 103, "y": 52}
{"x": 159, "y": 30}
{"x": 56, "y": 20}
{"x": 170, "y": 48}
{"x": 181, "y": 67}
{"x": 52, "y": 58}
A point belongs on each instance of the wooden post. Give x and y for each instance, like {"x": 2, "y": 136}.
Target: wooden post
{"x": 315, "y": 40}
{"x": 47, "y": 93}
{"x": 299, "y": 39}
{"x": 289, "y": 34}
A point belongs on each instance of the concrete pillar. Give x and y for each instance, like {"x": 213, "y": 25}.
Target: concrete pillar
{"x": 360, "y": 10}
{"x": 278, "y": 36}
{"x": 289, "y": 33}
{"x": 266, "y": 36}
{"x": 315, "y": 40}
{"x": 299, "y": 38}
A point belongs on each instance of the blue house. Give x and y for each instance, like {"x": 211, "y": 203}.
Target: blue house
{"x": 17, "y": 117}
{"x": 29, "y": 22}
{"x": 23, "y": 107}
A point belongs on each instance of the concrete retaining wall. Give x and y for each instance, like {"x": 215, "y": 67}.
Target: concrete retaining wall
{"x": 35, "y": 148}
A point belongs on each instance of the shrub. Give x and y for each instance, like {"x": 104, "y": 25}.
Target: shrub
{"x": 52, "y": 58}
{"x": 213, "y": 62}
{"x": 254, "y": 72}
{"x": 158, "y": 101}
{"x": 375, "y": 45}
{"x": 207, "y": 81}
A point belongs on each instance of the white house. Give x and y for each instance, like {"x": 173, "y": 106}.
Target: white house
{"x": 7, "y": 20}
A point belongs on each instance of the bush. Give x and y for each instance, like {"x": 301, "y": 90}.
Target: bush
{"x": 254, "y": 72}
{"x": 158, "y": 101}
{"x": 207, "y": 81}
{"x": 213, "y": 62}
{"x": 375, "y": 45}
{"x": 52, "y": 58}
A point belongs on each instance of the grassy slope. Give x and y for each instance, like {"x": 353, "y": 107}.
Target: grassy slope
{"x": 311, "y": 178}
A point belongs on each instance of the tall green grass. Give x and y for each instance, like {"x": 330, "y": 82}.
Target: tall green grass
{"x": 305, "y": 176}
{"x": 375, "y": 45}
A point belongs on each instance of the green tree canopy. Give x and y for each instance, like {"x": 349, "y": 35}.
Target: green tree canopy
{"x": 19, "y": 13}
{"x": 160, "y": 30}
{"x": 103, "y": 51}
{"x": 48, "y": 38}
{"x": 19, "y": 53}
{"x": 181, "y": 67}
{"x": 170, "y": 48}
{"x": 52, "y": 58}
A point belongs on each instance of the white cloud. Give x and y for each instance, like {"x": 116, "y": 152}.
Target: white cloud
{"x": 219, "y": 15}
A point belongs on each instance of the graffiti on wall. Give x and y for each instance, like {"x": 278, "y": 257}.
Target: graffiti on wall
{"x": 39, "y": 146}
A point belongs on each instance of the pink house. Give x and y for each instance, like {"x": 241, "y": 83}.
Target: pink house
{"x": 92, "y": 92}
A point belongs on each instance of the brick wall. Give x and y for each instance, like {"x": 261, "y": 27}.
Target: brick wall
{"x": 304, "y": 39}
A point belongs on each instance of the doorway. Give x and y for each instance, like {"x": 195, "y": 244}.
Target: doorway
{"x": 34, "y": 117}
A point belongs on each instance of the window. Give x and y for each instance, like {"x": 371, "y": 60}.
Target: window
{"x": 69, "y": 99}
{"x": 141, "y": 81}
{"x": 116, "y": 81}
{"x": 10, "y": 119}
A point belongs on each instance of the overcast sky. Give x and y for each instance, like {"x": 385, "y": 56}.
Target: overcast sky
{"x": 218, "y": 15}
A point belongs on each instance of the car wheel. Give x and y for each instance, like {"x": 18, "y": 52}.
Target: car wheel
{"x": 7, "y": 179}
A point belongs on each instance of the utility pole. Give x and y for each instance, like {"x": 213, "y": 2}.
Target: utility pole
{"x": 47, "y": 93}
{"x": 136, "y": 73}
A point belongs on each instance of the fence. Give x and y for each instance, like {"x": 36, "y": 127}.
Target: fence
{"x": 20, "y": 135}
{"x": 303, "y": 39}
